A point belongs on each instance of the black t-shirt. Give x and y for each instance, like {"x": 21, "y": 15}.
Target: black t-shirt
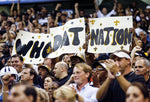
{"x": 115, "y": 92}
{"x": 148, "y": 84}
{"x": 63, "y": 81}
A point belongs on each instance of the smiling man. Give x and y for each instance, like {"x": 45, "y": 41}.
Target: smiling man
{"x": 17, "y": 63}
{"x": 82, "y": 75}
{"x": 119, "y": 79}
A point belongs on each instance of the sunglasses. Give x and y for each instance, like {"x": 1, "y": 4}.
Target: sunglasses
{"x": 100, "y": 69}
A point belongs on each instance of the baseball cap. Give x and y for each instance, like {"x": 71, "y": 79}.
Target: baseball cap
{"x": 79, "y": 56}
{"x": 148, "y": 7}
{"x": 45, "y": 67}
{"x": 120, "y": 54}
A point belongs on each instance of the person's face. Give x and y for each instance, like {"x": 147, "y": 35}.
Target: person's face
{"x": 25, "y": 75}
{"x": 66, "y": 59}
{"x": 104, "y": 11}
{"x": 142, "y": 15}
{"x": 122, "y": 63}
{"x": 29, "y": 11}
{"x": 142, "y": 35}
{"x": 37, "y": 31}
{"x": 42, "y": 72}
{"x": 48, "y": 62}
{"x": 35, "y": 23}
{"x": 18, "y": 19}
{"x": 9, "y": 62}
{"x": 63, "y": 18}
{"x": 4, "y": 23}
{"x": 59, "y": 99}
{"x": 81, "y": 13}
{"x": 80, "y": 76}
{"x": 95, "y": 15}
{"x": 12, "y": 80}
{"x": 11, "y": 19}
{"x": 134, "y": 94}
{"x": 52, "y": 87}
{"x": 7, "y": 26}
{"x": 15, "y": 12}
{"x": 13, "y": 27}
{"x": 1, "y": 46}
{"x": 99, "y": 74}
{"x": 119, "y": 5}
{"x": 57, "y": 70}
{"x": 50, "y": 19}
{"x": 17, "y": 64}
{"x": 18, "y": 95}
{"x": 140, "y": 68}
{"x": 20, "y": 25}
{"x": 47, "y": 82}
{"x": 74, "y": 61}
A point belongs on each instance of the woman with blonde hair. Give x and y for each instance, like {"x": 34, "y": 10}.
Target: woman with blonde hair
{"x": 42, "y": 95}
{"x": 65, "y": 94}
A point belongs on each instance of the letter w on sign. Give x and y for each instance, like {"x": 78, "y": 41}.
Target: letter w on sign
{"x": 68, "y": 38}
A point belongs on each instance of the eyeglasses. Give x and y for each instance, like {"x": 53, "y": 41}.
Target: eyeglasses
{"x": 100, "y": 69}
{"x": 138, "y": 66}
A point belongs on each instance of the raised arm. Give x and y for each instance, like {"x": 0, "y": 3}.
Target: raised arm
{"x": 12, "y": 7}
{"x": 114, "y": 69}
{"x": 30, "y": 26}
{"x": 6, "y": 79}
{"x": 18, "y": 7}
{"x": 58, "y": 6}
{"x": 102, "y": 91}
{"x": 115, "y": 5}
{"x": 56, "y": 19}
{"x": 134, "y": 50}
{"x": 48, "y": 25}
{"x": 96, "y": 7}
{"x": 124, "y": 84}
{"x": 76, "y": 9}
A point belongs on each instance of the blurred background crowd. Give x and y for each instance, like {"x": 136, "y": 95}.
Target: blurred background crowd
{"x": 107, "y": 77}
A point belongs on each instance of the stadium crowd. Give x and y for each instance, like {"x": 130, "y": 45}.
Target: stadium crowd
{"x": 121, "y": 76}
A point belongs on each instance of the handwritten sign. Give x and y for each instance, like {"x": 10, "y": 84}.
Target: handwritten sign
{"x": 68, "y": 38}
{"x": 110, "y": 34}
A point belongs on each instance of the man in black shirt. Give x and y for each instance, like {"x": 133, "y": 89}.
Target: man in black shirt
{"x": 61, "y": 73}
{"x": 120, "y": 77}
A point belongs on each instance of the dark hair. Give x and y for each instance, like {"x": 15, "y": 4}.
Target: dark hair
{"x": 33, "y": 72}
{"x": 143, "y": 88}
{"x": 19, "y": 56}
{"x": 63, "y": 15}
{"x": 30, "y": 90}
{"x": 9, "y": 23}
